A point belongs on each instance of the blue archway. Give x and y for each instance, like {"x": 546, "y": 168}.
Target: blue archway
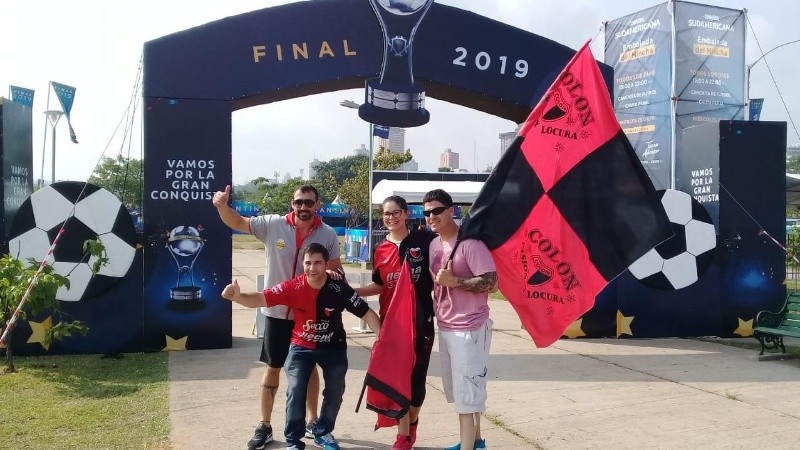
{"x": 195, "y": 79}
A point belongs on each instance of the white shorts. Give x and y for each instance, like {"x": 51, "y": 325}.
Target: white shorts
{"x": 465, "y": 358}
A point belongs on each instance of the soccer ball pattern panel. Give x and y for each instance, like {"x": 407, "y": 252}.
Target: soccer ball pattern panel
{"x": 50, "y": 208}
{"x": 682, "y": 259}
{"x": 93, "y": 211}
{"x": 86, "y": 212}
{"x": 32, "y": 242}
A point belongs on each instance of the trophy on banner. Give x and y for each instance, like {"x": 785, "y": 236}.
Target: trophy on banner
{"x": 394, "y": 99}
{"x": 184, "y": 244}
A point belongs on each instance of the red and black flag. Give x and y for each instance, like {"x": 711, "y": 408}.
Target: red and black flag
{"x": 388, "y": 379}
{"x": 568, "y": 207}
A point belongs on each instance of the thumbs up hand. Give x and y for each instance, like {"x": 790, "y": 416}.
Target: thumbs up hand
{"x": 231, "y": 291}
{"x": 445, "y": 276}
{"x": 222, "y": 197}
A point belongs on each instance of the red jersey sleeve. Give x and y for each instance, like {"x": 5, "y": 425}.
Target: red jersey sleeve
{"x": 280, "y": 294}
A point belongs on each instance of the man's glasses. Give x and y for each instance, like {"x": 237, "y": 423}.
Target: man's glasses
{"x": 434, "y": 211}
{"x": 307, "y": 202}
{"x": 396, "y": 213}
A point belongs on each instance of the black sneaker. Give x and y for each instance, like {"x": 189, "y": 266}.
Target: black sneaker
{"x": 261, "y": 437}
{"x": 310, "y": 430}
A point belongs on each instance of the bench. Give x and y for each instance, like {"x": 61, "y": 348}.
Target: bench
{"x": 771, "y": 327}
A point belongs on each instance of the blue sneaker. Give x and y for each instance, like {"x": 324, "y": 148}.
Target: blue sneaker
{"x": 326, "y": 442}
{"x": 479, "y": 445}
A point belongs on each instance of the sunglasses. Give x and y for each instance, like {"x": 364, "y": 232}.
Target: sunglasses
{"x": 307, "y": 202}
{"x": 434, "y": 211}
{"x": 396, "y": 213}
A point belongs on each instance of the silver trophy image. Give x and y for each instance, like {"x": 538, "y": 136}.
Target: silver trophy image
{"x": 185, "y": 244}
{"x": 394, "y": 99}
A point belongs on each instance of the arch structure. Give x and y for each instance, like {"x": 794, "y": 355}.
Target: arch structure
{"x": 195, "y": 79}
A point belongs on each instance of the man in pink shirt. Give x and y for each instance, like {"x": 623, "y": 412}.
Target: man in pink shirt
{"x": 461, "y": 302}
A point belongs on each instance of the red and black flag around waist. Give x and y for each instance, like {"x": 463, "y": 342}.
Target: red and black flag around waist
{"x": 388, "y": 379}
{"x": 568, "y": 207}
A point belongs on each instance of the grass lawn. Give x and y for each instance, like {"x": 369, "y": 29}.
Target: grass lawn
{"x": 86, "y": 402}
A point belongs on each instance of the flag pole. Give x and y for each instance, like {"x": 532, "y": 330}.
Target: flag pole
{"x": 44, "y": 138}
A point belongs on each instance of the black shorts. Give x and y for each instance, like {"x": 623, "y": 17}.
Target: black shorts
{"x": 277, "y": 337}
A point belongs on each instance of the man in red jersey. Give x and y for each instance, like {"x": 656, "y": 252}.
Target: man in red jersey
{"x": 318, "y": 338}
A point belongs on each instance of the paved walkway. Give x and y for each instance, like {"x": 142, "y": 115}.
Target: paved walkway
{"x": 576, "y": 394}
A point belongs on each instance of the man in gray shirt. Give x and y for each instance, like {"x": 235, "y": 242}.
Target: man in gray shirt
{"x": 284, "y": 238}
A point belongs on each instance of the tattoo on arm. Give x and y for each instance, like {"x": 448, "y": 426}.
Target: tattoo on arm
{"x": 481, "y": 283}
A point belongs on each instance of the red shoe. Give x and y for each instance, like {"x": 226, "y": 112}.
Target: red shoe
{"x": 402, "y": 443}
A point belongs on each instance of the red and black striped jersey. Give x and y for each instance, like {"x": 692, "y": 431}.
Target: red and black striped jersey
{"x": 317, "y": 312}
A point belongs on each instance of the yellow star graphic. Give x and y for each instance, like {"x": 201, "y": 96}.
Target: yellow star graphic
{"x": 38, "y": 330}
{"x": 175, "y": 344}
{"x": 624, "y": 324}
{"x": 574, "y": 330}
{"x": 745, "y": 328}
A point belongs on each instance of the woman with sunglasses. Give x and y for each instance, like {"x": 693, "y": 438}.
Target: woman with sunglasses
{"x": 412, "y": 247}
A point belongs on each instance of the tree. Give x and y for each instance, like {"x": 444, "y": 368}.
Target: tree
{"x": 385, "y": 159}
{"x": 277, "y": 198}
{"x": 122, "y": 177}
{"x": 337, "y": 170}
{"x": 792, "y": 166}
{"x": 15, "y": 279}
{"x": 445, "y": 169}
{"x": 354, "y": 192}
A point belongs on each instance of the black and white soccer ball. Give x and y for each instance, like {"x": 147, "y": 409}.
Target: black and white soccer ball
{"x": 682, "y": 259}
{"x": 89, "y": 213}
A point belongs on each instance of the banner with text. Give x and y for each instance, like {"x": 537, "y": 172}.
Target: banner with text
{"x": 710, "y": 86}
{"x": 187, "y": 254}
{"x": 639, "y": 47}
{"x": 16, "y": 151}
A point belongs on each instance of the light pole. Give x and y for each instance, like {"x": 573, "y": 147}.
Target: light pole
{"x": 353, "y": 105}
{"x": 750, "y": 66}
{"x": 53, "y": 115}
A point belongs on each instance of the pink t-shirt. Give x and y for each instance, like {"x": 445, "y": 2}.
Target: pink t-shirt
{"x": 457, "y": 309}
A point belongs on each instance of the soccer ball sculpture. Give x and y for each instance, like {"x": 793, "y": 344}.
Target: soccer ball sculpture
{"x": 682, "y": 259}
{"x": 90, "y": 213}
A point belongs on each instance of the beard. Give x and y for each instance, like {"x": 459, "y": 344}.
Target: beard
{"x": 304, "y": 215}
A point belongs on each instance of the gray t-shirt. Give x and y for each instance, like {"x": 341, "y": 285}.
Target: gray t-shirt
{"x": 284, "y": 258}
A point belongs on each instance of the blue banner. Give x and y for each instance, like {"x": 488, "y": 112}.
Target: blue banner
{"x": 247, "y": 209}
{"x": 21, "y": 95}
{"x": 66, "y": 95}
{"x": 639, "y": 48}
{"x": 380, "y": 131}
{"x": 755, "y": 109}
{"x": 333, "y": 210}
{"x": 710, "y": 86}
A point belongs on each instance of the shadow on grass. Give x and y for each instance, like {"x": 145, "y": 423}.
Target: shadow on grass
{"x": 92, "y": 376}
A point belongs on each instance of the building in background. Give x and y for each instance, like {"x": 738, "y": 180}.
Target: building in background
{"x": 396, "y": 142}
{"x": 361, "y": 151}
{"x": 449, "y": 159}
{"x": 411, "y": 166}
{"x": 312, "y": 168}
{"x": 506, "y": 139}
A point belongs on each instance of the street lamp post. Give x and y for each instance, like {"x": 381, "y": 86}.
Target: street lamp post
{"x": 53, "y": 115}
{"x": 353, "y": 105}
{"x": 750, "y": 66}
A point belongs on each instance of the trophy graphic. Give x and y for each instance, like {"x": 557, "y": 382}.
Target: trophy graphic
{"x": 184, "y": 245}
{"x": 394, "y": 99}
